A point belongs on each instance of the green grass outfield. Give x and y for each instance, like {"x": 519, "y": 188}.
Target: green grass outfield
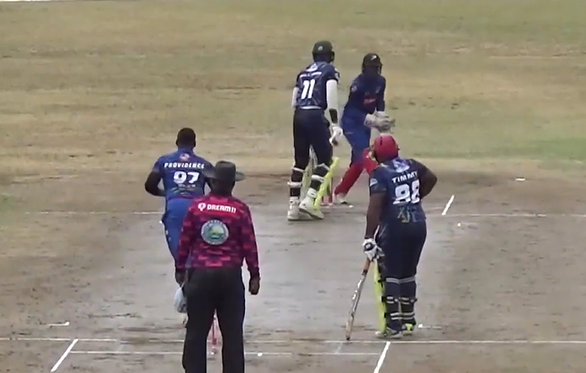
{"x": 468, "y": 79}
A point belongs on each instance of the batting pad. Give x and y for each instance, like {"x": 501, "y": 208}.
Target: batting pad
{"x": 379, "y": 292}
{"x": 327, "y": 184}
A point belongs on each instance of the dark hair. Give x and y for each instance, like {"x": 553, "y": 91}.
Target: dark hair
{"x": 221, "y": 187}
{"x": 186, "y": 137}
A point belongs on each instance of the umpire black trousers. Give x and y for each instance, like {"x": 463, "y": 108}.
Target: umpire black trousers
{"x": 209, "y": 291}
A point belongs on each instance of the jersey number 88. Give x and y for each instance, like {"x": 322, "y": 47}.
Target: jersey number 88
{"x": 407, "y": 193}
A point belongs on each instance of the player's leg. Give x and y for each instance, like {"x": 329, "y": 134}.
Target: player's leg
{"x": 359, "y": 141}
{"x": 408, "y": 285}
{"x": 173, "y": 222}
{"x": 231, "y": 310}
{"x": 391, "y": 241}
{"x": 320, "y": 141}
{"x": 301, "y": 148}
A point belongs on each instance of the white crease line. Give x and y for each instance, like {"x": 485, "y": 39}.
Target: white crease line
{"x": 55, "y": 339}
{"x": 64, "y": 356}
{"x": 34, "y": 339}
{"x": 514, "y": 215}
{"x": 488, "y": 342}
{"x": 381, "y": 358}
{"x": 259, "y": 353}
{"x": 93, "y": 212}
{"x": 305, "y": 341}
{"x": 448, "y": 205}
{"x": 167, "y": 353}
{"x": 66, "y": 323}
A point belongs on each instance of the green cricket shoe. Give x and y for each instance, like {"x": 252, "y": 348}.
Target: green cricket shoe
{"x": 409, "y": 329}
{"x": 389, "y": 333}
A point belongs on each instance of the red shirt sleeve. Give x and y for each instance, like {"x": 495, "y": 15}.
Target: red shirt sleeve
{"x": 248, "y": 243}
{"x": 186, "y": 239}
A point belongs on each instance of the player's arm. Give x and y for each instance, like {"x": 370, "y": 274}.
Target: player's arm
{"x": 294, "y": 97}
{"x": 151, "y": 184}
{"x": 248, "y": 242}
{"x": 378, "y": 192}
{"x": 427, "y": 179}
{"x": 207, "y": 181}
{"x": 380, "y": 97}
{"x": 332, "y": 96}
{"x": 295, "y": 93}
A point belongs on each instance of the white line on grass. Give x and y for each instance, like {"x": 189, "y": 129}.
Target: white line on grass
{"x": 381, "y": 358}
{"x": 309, "y": 341}
{"x": 448, "y": 205}
{"x": 64, "y": 356}
{"x": 515, "y": 215}
{"x": 255, "y": 353}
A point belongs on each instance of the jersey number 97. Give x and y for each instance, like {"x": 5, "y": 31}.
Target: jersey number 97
{"x": 407, "y": 193}
{"x": 182, "y": 177}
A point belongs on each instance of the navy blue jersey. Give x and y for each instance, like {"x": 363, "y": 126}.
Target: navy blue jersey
{"x": 311, "y": 85}
{"x": 181, "y": 174}
{"x": 399, "y": 180}
{"x": 366, "y": 96}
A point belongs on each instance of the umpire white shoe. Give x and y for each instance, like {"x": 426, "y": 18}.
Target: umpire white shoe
{"x": 308, "y": 206}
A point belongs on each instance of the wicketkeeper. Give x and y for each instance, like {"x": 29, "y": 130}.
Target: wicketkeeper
{"x": 364, "y": 110}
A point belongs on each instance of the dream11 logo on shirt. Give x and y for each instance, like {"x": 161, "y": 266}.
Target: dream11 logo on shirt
{"x": 202, "y": 206}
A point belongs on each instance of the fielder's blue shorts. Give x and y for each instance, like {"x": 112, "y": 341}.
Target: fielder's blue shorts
{"x": 357, "y": 134}
{"x": 172, "y": 220}
{"x": 359, "y": 139}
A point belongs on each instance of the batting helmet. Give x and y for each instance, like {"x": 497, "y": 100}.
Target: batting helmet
{"x": 385, "y": 147}
{"x": 323, "y": 50}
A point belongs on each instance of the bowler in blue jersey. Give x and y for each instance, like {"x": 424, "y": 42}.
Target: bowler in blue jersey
{"x": 183, "y": 181}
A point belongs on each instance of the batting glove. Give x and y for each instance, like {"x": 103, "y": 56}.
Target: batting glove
{"x": 336, "y": 133}
{"x": 371, "y": 249}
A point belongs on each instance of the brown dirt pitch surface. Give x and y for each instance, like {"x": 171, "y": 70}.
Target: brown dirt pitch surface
{"x": 483, "y": 91}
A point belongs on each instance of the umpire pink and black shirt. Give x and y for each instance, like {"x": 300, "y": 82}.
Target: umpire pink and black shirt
{"x": 218, "y": 233}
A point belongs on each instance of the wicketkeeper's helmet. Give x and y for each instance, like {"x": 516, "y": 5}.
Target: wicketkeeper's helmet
{"x": 372, "y": 64}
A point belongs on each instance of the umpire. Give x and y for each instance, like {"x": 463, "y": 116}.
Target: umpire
{"x": 217, "y": 236}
